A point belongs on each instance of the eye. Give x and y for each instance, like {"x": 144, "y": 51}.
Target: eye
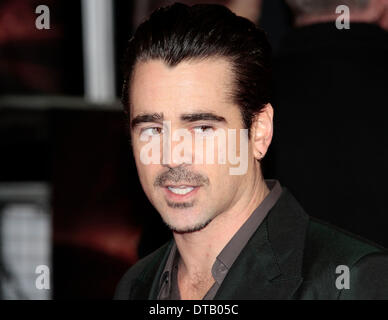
{"x": 152, "y": 131}
{"x": 204, "y": 129}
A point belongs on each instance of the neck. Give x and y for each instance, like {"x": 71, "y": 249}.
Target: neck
{"x": 198, "y": 250}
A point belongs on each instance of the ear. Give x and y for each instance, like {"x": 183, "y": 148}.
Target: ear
{"x": 262, "y": 131}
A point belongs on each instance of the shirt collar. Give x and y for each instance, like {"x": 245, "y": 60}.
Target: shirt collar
{"x": 167, "y": 271}
{"x": 233, "y": 248}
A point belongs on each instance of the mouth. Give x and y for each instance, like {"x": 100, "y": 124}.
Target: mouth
{"x": 180, "y": 192}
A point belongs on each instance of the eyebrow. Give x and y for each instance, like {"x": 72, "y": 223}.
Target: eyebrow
{"x": 147, "y": 117}
{"x": 187, "y": 117}
{"x": 191, "y": 117}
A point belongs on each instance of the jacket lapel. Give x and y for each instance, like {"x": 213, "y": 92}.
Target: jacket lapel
{"x": 270, "y": 265}
{"x": 146, "y": 286}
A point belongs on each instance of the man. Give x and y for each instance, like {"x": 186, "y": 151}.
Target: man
{"x": 330, "y": 93}
{"x": 204, "y": 71}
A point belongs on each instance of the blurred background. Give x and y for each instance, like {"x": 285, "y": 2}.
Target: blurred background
{"x": 70, "y": 198}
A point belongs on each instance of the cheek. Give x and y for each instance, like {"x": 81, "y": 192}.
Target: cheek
{"x": 218, "y": 175}
{"x": 147, "y": 179}
{"x": 223, "y": 189}
{"x": 146, "y": 172}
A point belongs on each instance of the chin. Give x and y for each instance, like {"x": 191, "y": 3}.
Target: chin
{"x": 188, "y": 228}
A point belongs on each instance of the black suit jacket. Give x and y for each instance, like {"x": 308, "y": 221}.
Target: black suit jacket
{"x": 290, "y": 256}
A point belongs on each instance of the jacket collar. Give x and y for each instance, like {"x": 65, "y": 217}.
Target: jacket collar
{"x": 270, "y": 265}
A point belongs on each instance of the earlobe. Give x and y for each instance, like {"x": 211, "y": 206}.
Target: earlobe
{"x": 259, "y": 155}
{"x": 262, "y": 131}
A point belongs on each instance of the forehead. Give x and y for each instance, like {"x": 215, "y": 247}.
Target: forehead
{"x": 156, "y": 87}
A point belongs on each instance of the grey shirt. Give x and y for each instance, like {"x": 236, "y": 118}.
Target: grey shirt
{"x": 168, "y": 286}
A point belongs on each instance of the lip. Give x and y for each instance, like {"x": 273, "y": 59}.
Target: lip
{"x": 180, "y": 197}
{"x": 180, "y": 186}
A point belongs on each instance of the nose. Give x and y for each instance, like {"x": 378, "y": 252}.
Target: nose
{"x": 172, "y": 166}
{"x": 177, "y": 151}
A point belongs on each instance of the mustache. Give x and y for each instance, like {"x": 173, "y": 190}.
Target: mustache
{"x": 180, "y": 175}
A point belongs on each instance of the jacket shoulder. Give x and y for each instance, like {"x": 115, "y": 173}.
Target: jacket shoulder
{"x": 327, "y": 248}
{"x": 142, "y": 271}
{"x": 332, "y": 243}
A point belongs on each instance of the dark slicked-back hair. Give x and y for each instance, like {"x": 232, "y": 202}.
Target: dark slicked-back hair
{"x": 180, "y": 33}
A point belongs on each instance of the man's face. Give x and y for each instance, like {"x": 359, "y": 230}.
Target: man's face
{"x": 194, "y": 97}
